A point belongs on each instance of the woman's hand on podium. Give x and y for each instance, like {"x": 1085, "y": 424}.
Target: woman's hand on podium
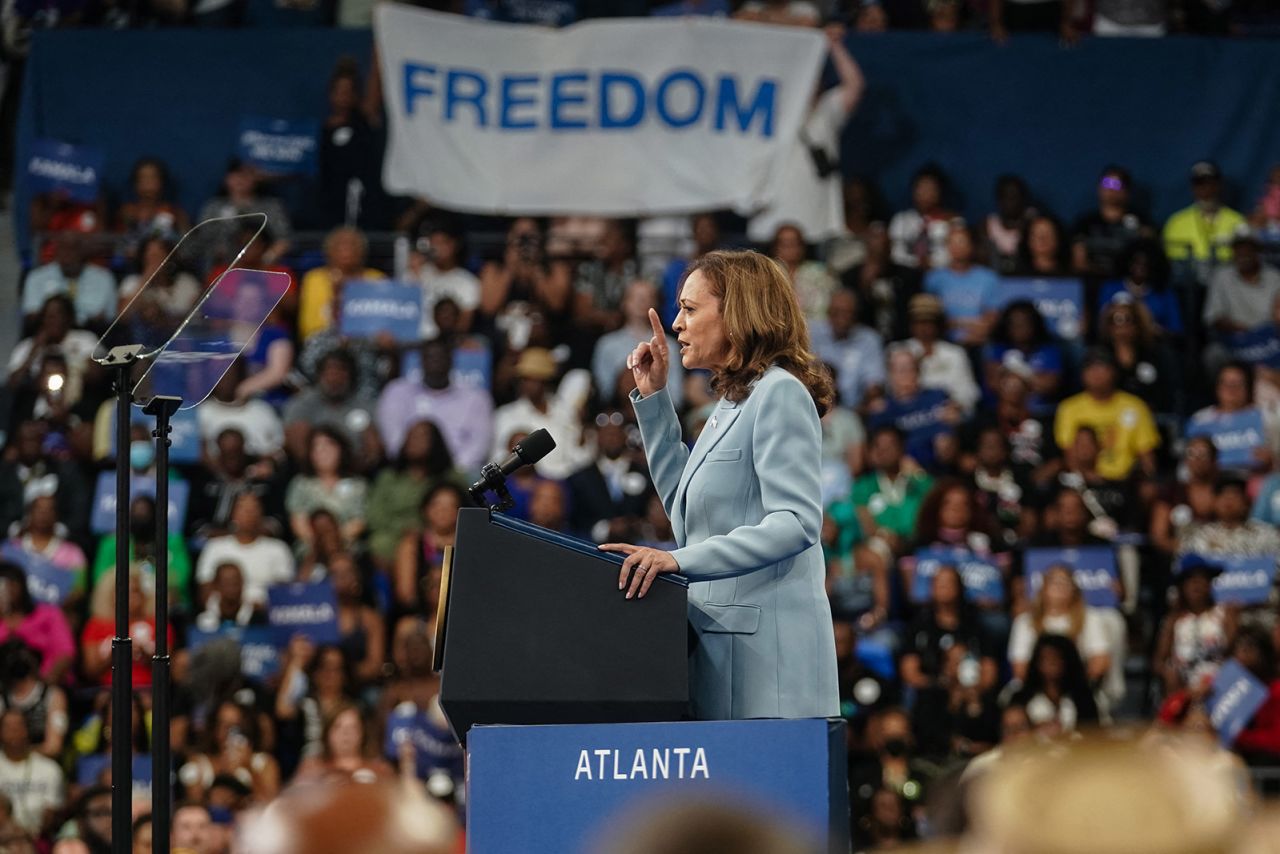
{"x": 647, "y": 563}
{"x": 648, "y": 361}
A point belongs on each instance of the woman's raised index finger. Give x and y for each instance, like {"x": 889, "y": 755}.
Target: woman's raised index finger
{"x": 659, "y": 334}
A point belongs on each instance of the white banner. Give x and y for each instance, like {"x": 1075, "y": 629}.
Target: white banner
{"x": 611, "y": 117}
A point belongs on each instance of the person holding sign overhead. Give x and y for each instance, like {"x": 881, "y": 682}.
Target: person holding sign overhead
{"x": 745, "y": 502}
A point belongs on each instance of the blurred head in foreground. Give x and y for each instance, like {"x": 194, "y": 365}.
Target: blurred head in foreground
{"x": 705, "y": 827}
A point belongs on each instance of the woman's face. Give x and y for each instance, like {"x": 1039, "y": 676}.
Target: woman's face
{"x": 1022, "y": 328}
{"x": 55, "y": 320}
{"x": 1199, "y": 459}
{"x": 246, "y": 517}
{"x": 789, "y": 246}
{"x": 346, "y": 736}
{"x": 346, "y": 581}
{"x": 444, "y": 247}
{"x": 960, "y": 245}
{"x": 326, "y": 454}
{"x": 442, "y": 511}
{"x": 954, "y": 511}
{"x": 43, "y": 514}
{"x": 1042, "y": 238}
{"x": 346, "y": 251}
{"x": 1196, "y": 590}
{"x": 926, "y": 194}
{"x": 1051, "y": 666}
{"x": 699, "y": 326}
{"x": 148, "y": 183}
{"x": 1059, "y": 590}
{"x": 946, "y": 587}
{"x": 991, "y": 450}
{"x": 417, "y": 443}
{"x": 904, "y": 374}
{"x": 330, "y": 674}
{"x": 1232, "y": 389}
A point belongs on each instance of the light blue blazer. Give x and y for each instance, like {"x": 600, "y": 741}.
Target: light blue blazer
{"x": 745, "y": 506}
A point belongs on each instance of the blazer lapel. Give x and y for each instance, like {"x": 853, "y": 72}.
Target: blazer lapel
{"x": 722, "y": 417}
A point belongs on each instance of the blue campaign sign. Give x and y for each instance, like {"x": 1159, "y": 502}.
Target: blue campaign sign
{"x": 982, "y": 579}
{"x": 1236, "y": 435}
{"x": 103, "y": 518}
{"x": 48, "y": 582}
{"x": 1257, "y": 346}
{"x": 1060, "y": 301}
{"x": 433, "y": 742}
{"x": 544, "y": 789}
{"x": 1234, "y": 699}
{"x": 279, "y": 146}
{"x": 59, "y": 167}
{"x": 1093, "y": 567}
{"x": 372, "y": 307}
{"x": 1244, "y": 580}
{"x": 302, "y": 608}
{"x": 184, "y": 435}
{"x": 260, "y": 647}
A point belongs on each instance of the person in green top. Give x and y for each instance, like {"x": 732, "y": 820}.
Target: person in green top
{"x": 397, "y": 493}
{"x": 878, "y": 519}
{"x": 142, "y": 536}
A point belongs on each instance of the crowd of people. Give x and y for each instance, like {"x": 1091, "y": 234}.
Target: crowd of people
{"x": 1040, "y": 501}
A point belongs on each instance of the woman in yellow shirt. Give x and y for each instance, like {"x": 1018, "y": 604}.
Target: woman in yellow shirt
{"x": 345, "y": 249}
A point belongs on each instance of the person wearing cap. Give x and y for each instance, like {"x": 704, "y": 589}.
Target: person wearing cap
{"x": 541, "y": 406}
{"x": 745, "y": 502}
{"x": 943, "y": 366}
{"x": 1203, "y": 231}
{"x": 1194, "y": 635}
{"x": 1242, "y": 296}
{"x": 1121, "y": 421}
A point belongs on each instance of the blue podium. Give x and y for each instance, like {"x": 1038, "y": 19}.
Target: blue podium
{"x": 559, "y": 789}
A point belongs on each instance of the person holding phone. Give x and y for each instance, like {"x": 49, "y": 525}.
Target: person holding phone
{"x": 745, "y": 503}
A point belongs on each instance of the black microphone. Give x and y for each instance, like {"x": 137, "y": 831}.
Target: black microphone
{"x": 494, "y": 476}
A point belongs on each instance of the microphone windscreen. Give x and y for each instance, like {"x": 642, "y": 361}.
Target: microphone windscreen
{"x": 535, "y": 446}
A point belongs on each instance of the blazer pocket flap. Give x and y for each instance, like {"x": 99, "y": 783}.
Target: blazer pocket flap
{"x": 726, "y": 619}
{"x": 725, "y": 455}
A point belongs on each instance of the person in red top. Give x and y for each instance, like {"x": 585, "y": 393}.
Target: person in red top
{"x": 95, "y": 641}
{"x": 1254, "y": 649}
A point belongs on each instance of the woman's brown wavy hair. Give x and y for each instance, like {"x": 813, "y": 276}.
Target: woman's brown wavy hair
{"x": 764, "y": 325}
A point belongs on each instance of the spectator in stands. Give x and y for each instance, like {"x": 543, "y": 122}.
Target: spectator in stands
{"x": 1195, "y": 634}
{"x": 337, "y": 402}
{"x": 883, "y": 285}
{"x": 1189, "y": 498}
{"x": 705, "y": 229}
{"x": 225, "y": 409}
{"x": 362, "y": 632}
{"x": 943, "y": 366}
{"x": 264, "y": 560}
{"x": 42, "y": 537}
{"x": 1030, "y": 437}
{"x": 1122, "y": 421}
{"x": 805, "y": 188}
{"x": 1266, "y": 213}
{"x": 320, "y": 295}
{"x": 1204, "y": 230}
{"x": 420, "y": 551}
{"x": 944, "y": 623}
{"x": 240, "y": 196}
{"x": 55, "y": 335}
{"x": 44, "y": 705}
{"x": 1021, "y": 337}
{"x": 170, "y": 289}
{"x": 1001, "y": 487}
{"x": 1254, "y": 649}
{"x": 854, "y": 350}
{"x": 151, "y": 211}
{"x": 350, "y": 155}
{"x": 328, "y": 482}
{"x": 539, "y": 408}
{"x": 1042, "y": 250}
{"x": 795, "y": 13}
{"x": 1145, "y": 362}
{"x": 32, "y": 782}
{"x": 1056, "y": 692}
{"x": 26, "y": 472}
{"x": 225, "y": 606}
{"x": 1100, "y": 236}
{"x": 1241, "y": 296}
{"x": 436, "y": 259}
{"x": 424, "y": 462}
{"x": 810, "y": 279}
{"x": 1245, "y": 435}
{"x": 863, "y": 206}
{"x": 142, "y": 830}
{"x": 347, "y": 750}
{"x": 599, "y": 284}
{"x": 870, "y": 17}
{"x": 1232, "y": 532}
{"x": 611, "y": 350}
{"x": 549, "y": 505}
{"x": 192, "y": 828}
{"x": 143, "y": 549}
{"x": 1058, "y": 608}
{"x": 1112, "y": 503}
{"x": 609, "y": 496}
{"x": 889, "y": 761}
{"x": 919, "y": 234}
{"x": 96, "y": 640}
{"x": 925, "y": 417}
{"x": 233, "y": 747}
{"x": 42, "y": 627}
{"x": 844, "y": 442}
{"x": 1003, "y": 228}
{"x": 92, "y": 288}
{"x": 315, "y": 683}
{"x": 969, "y": 292}
{"x": 1146, "y": 279}
{"x": 463, "y": 414}
{"x": 1022, "y": 16}
{"x": 524, "y": 282}
{"x": 224, "y": 473}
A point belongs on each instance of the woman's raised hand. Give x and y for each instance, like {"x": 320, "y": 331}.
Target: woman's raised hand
{"x": 648, "y": 361}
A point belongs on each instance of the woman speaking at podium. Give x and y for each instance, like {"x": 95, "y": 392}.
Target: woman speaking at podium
{"x": 745, "y": 503}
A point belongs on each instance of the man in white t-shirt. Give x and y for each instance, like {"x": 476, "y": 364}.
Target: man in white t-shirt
{"x": 807, "y": 190}
{"x": 435, "y": 259}
{"x": 263, "y": 560}
{"x": 33, "y": 783}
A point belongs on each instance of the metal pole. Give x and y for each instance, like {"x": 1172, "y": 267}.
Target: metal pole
{"x": 121, "y": 646}
{"x": 161, "y": 774}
